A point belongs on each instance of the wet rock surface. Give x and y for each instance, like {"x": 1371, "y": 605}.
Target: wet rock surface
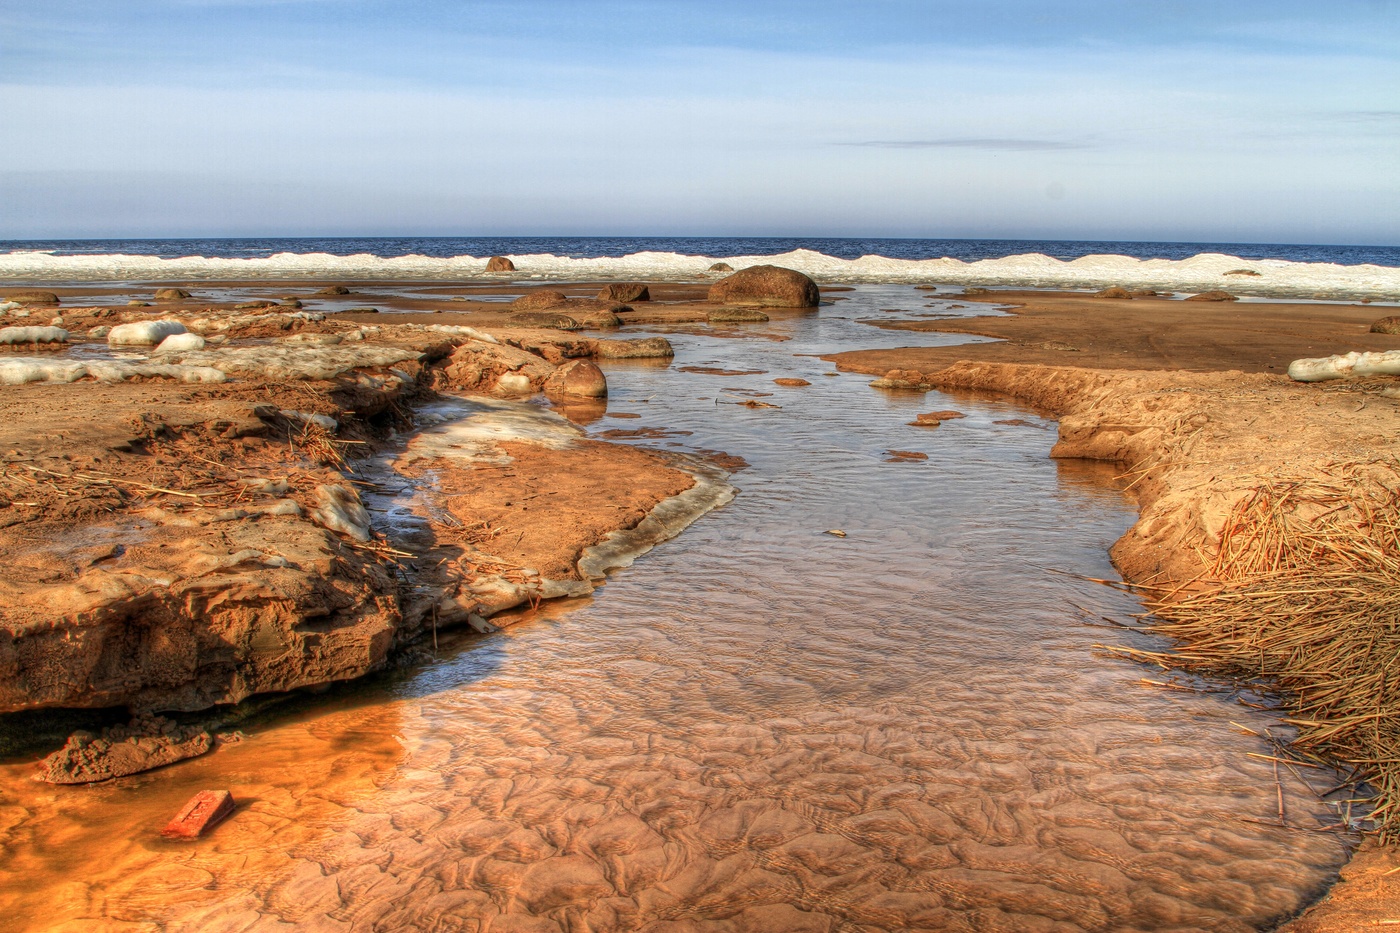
{"x": 771, "y": 286}
{"x": 148, "y": 742}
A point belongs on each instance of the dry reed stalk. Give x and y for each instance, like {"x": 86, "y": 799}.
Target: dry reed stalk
{"x": 1306, "y": 593}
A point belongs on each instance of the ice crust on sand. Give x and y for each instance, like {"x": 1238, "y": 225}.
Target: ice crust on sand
{"x": 461, "y": 330}
{"x": 143, "y": 333}
{"x": 14, "y": 335}
{"x": 22, "y": 370}
{"x": 1385, "y": 363}
{"x": 340, "y": 510}
{"x": 1203, "y": 272}
{"x": 472, "y": 429}
{"x": 297, "y": 362}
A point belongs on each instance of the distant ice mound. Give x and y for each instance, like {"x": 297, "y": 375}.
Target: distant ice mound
{"x": 1203, "y": 272}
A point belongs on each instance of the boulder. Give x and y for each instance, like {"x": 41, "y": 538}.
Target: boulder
{"x": 333, "y": 290}
{"x": 499, "y": 264}
{"x": 540, "y": 300}
{"x": 600, "y": 320}
{"x": 1386, "y": 325}
{"x": 171, "y": 294}
{"x": 1113, "y": 292}
{"x": 577, "y": 379}
{"x": 33, "y": 298}
{"x": 642, "y": 348}
{"x": 791, "y": 382}
{"x": 625, "y": 291}
{"x": 1213, "y": 296}
{"x": 721, "y": 267}
{"x": 933, "y": 419}
{"x": 1249, "y": 272}
{"x": 736, "y": 316}
{"x": 547, "y": 320}
{"x": 771, "y": 286}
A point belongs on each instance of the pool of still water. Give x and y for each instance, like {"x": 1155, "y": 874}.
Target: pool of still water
{"x": 757, "y": 727}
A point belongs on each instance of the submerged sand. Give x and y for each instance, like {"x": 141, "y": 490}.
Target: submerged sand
{"x": 1188, "y": 397}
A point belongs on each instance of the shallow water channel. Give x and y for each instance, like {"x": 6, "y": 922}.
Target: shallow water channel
{"x": 759, "y": 726}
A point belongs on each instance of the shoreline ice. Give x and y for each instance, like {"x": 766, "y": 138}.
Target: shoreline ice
{"x": 1272, "y": 278}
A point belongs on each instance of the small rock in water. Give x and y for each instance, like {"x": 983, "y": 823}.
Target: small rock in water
{"x": 837, "y": 532}
{"x": 1213, "y": 296}
{"x": 205, "y": 810}
{"x": 794, "y": 383}
{"x": 901, "y": 456}
{"x": 144, "y": 744}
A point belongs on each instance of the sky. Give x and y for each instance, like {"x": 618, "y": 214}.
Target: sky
{"x": 1179, "y": 120}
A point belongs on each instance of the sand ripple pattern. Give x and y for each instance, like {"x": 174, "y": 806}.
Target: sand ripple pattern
{"x": 758, "y": 727}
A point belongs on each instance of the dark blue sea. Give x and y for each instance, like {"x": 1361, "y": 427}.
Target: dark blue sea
{"x": 600, "y": 247}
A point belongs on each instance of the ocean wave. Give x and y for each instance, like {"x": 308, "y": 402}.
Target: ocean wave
{"x": 1205, "y": 271}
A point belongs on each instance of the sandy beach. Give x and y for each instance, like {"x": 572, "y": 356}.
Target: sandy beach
{"x": 206, "y": 528}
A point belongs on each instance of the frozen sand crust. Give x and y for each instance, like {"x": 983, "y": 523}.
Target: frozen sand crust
{"x": 275, "y": 583}
{"x": 466, "y": 431}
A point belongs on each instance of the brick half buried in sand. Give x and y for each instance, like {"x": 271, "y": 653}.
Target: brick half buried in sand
{"x": 206, "y": 809}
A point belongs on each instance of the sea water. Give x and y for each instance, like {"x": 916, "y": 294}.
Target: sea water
{"x": 1279, "y": 271}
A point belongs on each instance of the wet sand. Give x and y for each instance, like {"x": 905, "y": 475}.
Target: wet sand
{"x": 1190, "y": 396}
{"x": 1081, "y": 359}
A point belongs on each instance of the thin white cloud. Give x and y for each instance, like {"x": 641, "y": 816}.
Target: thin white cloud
{"x": 985, "y": 144}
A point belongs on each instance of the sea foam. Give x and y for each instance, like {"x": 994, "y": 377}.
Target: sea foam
{"x": 1202, "y": 272}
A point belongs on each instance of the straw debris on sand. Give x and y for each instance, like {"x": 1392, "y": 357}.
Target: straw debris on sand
{"x": 1306, "y": 593}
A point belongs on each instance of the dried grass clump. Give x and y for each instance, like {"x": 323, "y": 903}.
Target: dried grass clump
{"x": 1306, "y": 593}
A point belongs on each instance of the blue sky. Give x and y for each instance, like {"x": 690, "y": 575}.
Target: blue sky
{"x": 1110, "y": 119}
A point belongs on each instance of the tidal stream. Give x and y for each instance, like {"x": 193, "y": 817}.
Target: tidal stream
{"x": 759, "y": 726}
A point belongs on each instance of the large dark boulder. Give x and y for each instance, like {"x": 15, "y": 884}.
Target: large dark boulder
{"x": 770, "y": 286}
{"x": 624, "y": 292}
{"x": 540, "y": 300}
{"x": 32, "y": 298}
{"x": 499, "y": 264}
{"x": 1386, "y": 325}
